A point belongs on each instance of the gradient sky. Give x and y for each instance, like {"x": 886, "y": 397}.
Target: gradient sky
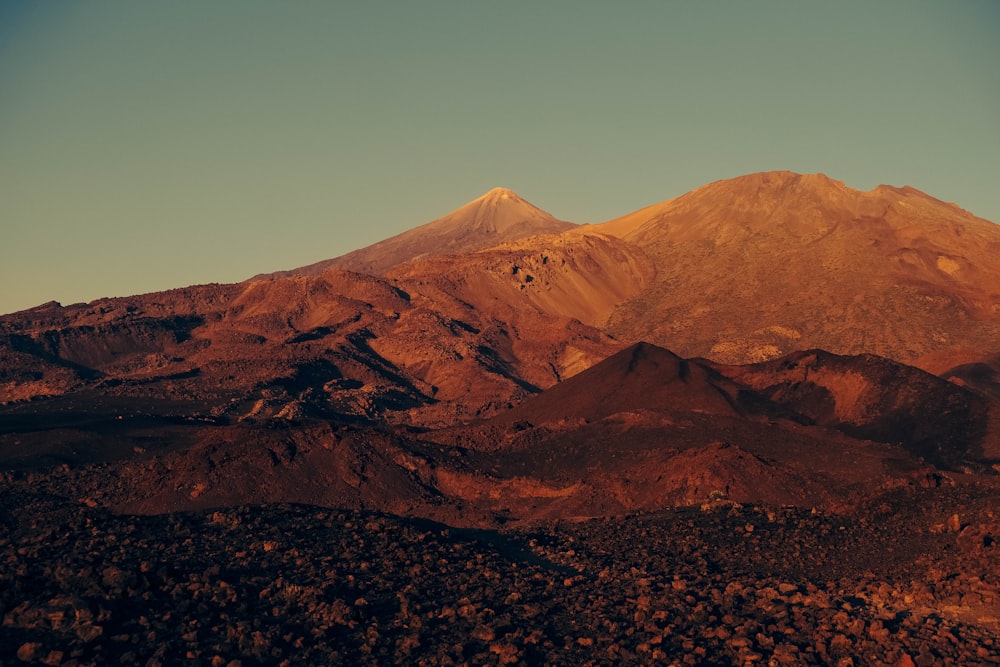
{"x": 150, "y": 145}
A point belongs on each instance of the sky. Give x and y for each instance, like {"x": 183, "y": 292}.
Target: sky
{"x": 152, "y": 145}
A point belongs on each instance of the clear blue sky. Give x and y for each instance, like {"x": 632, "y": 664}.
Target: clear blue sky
{"x": 150, "y": 145}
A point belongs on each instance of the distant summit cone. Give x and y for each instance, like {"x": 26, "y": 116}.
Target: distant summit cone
{"x": 501, "y": 193}
{"x": 498, "y": 211}
{"x": 498, "y": 216}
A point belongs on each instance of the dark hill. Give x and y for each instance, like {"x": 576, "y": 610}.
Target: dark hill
{"x": 640, "y": 377}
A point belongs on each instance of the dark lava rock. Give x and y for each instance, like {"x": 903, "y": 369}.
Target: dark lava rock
{"x": 720, "y": 584}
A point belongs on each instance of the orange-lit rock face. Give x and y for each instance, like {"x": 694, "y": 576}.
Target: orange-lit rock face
{"x": 342, "y": 343}
{"x": 578, "y": 276}
{"x": 758, "y": 266}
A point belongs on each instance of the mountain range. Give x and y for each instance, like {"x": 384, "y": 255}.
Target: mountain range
{"x": 499, "y": 299}
{"x": 784, "y": 299}
{"x": 775, "y": 354}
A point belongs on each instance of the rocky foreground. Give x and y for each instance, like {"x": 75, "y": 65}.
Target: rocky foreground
{"x": 719, "y": 584}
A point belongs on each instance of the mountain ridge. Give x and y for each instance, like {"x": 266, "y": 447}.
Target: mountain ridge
{"x": 765, "y": 186}
{"x": 754, "y": 267}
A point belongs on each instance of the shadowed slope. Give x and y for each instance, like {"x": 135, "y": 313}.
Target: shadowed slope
{"x": 645, "y": 428}
{"x": 641, "y": 377}
{"x": 871, "y": 397}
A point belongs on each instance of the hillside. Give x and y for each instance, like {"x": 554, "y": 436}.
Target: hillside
{"x": 757, "y": 266}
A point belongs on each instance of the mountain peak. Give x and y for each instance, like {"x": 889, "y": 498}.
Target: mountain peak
{"x": 495, "y": 217}
{"x": 500, "y": 194}
{"x": 771, "y": 181}
{"x": 500, "y": 211}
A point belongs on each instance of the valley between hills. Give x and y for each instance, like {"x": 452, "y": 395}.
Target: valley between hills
{"x": 758, "y": 423}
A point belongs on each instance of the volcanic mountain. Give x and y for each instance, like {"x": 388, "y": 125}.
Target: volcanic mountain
{"x": 737, "y": 271}
{"x": 497, "y": 216}
{"x": 757, "y": 266}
